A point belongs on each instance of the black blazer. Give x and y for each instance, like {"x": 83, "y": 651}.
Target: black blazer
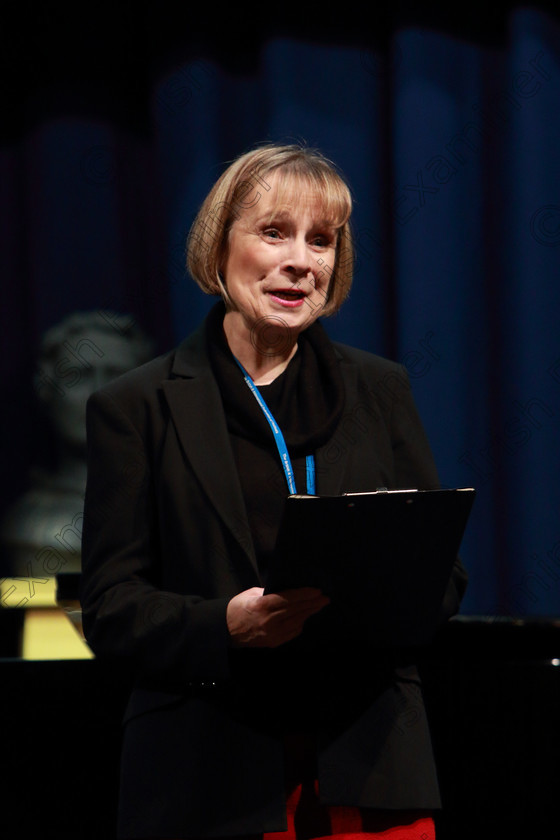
{"x": 166, "y": 545}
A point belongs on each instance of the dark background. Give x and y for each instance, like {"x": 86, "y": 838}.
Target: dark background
{"x": 117, "y": 119}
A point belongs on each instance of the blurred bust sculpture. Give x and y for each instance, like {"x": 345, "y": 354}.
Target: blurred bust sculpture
{"x": 41, "y": 533}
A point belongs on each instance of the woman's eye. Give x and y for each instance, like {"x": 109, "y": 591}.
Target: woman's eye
{"x": 272, "y": 233}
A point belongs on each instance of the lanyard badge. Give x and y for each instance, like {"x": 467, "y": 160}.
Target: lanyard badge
{"x": 280, "y": 442}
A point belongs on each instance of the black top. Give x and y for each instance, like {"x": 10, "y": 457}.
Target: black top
{"x": 306, "y": 401}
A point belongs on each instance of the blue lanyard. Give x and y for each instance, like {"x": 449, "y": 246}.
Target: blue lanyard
{"x": 280, "y": 442}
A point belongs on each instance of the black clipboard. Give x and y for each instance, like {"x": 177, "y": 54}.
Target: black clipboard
{"x": 384, "y": 557}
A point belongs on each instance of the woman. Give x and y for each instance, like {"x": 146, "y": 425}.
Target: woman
{"x": 253, "y": 713}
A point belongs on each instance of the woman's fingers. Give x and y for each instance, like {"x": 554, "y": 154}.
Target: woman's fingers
{"x": 258, "y": 620}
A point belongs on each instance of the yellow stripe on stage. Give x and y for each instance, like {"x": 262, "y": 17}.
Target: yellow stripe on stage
{"x": 49, "y": 634}
{"x": 48, "y": 631}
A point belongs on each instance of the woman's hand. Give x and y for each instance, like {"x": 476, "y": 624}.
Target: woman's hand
{"x": 258, "y": 620}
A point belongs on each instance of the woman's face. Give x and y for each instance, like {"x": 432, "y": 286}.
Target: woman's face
{"x": 279, "y": 262}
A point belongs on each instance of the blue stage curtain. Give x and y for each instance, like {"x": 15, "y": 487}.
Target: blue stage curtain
{"x": 450, "y": 143}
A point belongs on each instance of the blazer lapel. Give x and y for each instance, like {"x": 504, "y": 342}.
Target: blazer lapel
{"x": 198, "y": 416}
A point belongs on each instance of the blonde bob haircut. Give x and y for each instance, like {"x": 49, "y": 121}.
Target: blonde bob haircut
{"x": 304, "y": 171}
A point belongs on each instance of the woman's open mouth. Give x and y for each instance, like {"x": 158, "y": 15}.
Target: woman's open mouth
{"x": 288, "y": 297}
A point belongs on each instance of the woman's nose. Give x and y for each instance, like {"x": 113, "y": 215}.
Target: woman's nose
{"x": 298, "y": 258}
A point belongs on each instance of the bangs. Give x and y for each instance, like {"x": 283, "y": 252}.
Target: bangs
{"x": 322, "y": 190}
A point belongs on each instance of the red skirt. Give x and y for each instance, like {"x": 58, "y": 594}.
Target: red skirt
{"x": 309, "y": 819}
